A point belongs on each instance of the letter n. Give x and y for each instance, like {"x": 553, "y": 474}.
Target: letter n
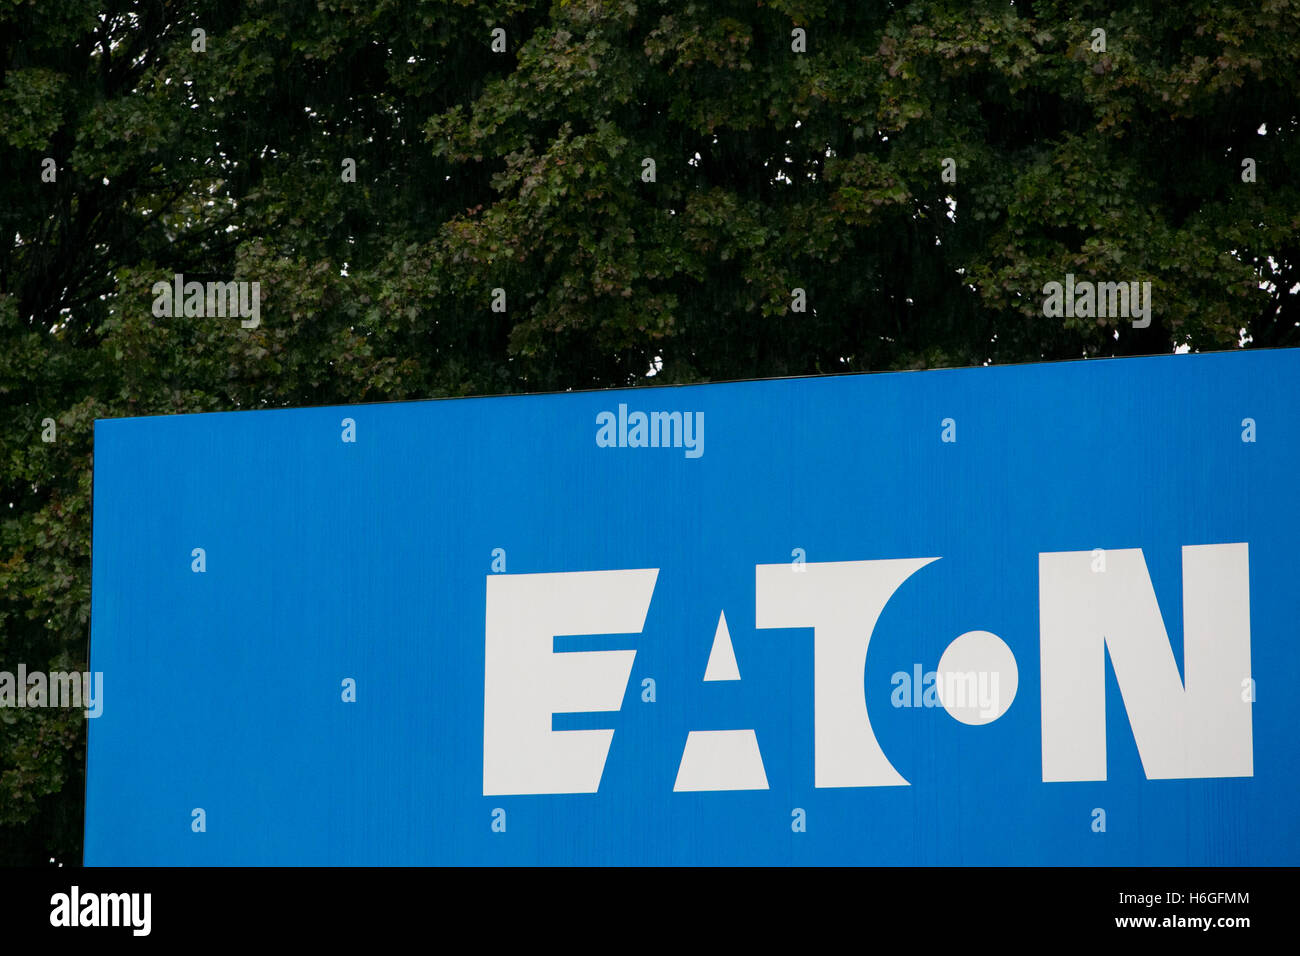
{"x": 1196, "y": 726}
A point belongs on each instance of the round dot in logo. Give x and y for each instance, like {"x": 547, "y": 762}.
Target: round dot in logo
{"x": 977, "y": 678}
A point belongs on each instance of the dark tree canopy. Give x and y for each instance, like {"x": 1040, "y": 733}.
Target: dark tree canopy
{"x": 524, "y": 171}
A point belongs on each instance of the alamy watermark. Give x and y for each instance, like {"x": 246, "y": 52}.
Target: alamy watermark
{"x": 57, "y": 689}
{"x": 651, "y": 430}
{"x": 953, "y": 690}
{"x": 75, "y": 908}
{"x": 241, "y": 300}
{"x": 1101, "y": 300}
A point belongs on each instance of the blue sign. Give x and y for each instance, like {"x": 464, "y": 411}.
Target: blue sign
{"x": 1042, "y": 614}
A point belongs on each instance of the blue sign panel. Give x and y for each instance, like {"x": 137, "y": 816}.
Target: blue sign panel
{"x": 1043, "y": 614}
